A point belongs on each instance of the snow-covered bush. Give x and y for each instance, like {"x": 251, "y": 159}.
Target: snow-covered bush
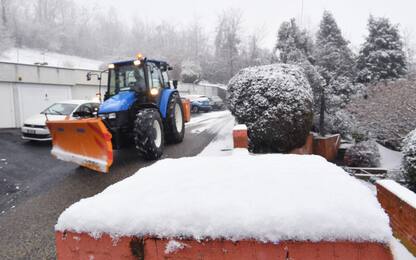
{"x": 340, "y": 122}
{"x": 363, "y": 154}
{"x": 191, "y": 71}
{"x": 340, "y": 93}
{"x": 275, "y": 102}
{"x": 409, "y": 159}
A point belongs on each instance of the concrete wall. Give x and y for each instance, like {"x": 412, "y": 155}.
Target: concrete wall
{"x": 28, "y": 89}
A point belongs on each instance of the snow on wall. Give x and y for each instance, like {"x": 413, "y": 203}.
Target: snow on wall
{"x": 400, "y": 191}
{"x": 270, "y": 197}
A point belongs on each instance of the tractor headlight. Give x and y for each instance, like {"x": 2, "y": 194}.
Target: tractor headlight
{"x": 154, "y": 91}
{"x": 111, "y": 66}
{"x": 137, "y": 62}
{"x": 112, "y": 116}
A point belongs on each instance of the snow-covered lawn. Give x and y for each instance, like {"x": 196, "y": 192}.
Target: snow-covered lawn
{"x": 269, "y": 197}
{"x": 31, "y": 56}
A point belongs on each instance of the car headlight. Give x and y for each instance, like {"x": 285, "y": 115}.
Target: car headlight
{"x": 112, "y": 116}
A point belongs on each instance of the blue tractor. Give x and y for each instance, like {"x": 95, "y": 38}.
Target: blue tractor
{"x": 141, "y": 107}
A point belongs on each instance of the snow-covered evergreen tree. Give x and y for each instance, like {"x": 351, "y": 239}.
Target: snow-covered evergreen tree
{"x": 381, "y": 56}
{"x": 335, "y": 63}
{"x": 332, "y": 54}
{"x": 294, "y": 45}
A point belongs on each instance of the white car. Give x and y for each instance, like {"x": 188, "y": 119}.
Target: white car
{"x": 34, "y": 128}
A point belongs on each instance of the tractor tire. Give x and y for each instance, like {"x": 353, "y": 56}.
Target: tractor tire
{"x": 148, "y": 134}
{"x": 175, "y": 123}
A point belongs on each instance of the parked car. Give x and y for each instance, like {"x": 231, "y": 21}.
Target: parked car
{"x": 200, "y": 103}
{"x": 216, "y": 103}
{"x": 34, "y": 128}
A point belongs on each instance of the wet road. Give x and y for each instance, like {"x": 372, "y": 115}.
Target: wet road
{"x": 35, "y": 188}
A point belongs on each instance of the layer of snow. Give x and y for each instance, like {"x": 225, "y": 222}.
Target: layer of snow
{"x": 208, "y": 117}
{"x": 31, "y": 56}
{"x": 173, "y": 246}
{"x": 399, "y": 251}
{"x": 390, "y": 159}
{"x": 270, "y": 197}
{"x": 400, "y": 191}
{"x": 240, "y": 127}
{"x": 79, "y": 159}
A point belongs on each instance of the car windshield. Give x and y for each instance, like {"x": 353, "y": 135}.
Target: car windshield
{"x": 60, "y": 109}
{"x": 126, "y": 77}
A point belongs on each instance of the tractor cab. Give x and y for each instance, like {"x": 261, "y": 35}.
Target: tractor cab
{"x": 145, "y": 77}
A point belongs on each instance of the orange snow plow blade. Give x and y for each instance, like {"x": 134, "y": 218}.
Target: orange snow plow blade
{"x": 86, "y": 142}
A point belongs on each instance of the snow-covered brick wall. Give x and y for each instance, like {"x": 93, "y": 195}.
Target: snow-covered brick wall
{"x": 400, "y": 205}
{"x": 275, "y": 102}
{"x": 271, "y": 197}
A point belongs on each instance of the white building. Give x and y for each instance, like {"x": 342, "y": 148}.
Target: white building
{"x": 28, "y": 89}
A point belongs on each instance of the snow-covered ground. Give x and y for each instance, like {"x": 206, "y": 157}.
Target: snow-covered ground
{"x": 211, "y": 122}
{"x": 399, "y": 251}
{"x": 390, "y": 159}
{"x": 32, "y": 56}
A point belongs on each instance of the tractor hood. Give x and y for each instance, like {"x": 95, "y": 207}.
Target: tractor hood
{"x": 120, "y": 102}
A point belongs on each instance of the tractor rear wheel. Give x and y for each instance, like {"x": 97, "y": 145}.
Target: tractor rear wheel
{"x": 148, "y": 133}
{"x": 174, "y": 124}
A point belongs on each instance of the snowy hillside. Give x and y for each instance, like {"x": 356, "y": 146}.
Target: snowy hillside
{"x": 32, "y": 56}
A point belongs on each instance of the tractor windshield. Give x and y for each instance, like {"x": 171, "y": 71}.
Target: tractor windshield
{"x": 126, "y": 77}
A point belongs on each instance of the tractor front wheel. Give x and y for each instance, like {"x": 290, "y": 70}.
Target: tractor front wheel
{"x": 148, "y": 133}
{"x": 175, "y": 124}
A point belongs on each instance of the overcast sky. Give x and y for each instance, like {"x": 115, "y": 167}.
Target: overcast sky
{"x": 351, "y": 15}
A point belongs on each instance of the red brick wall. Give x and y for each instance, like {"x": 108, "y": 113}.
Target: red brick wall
{"x": 82, "y": 246}
{"x": 402, "y": 217}
{"x": 240, "y": 138}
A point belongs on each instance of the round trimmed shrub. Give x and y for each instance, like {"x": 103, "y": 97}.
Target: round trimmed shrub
{"x": 409, "y": 159}
{"x": 363, "y": 154}
{"x": 275, "y": 102}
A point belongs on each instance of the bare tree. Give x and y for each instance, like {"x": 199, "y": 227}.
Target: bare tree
{"x": 227, "y": 42}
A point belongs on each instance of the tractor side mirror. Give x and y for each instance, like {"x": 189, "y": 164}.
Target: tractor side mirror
{"x": 88, "y": 76}
{"x": 175, "y": 84}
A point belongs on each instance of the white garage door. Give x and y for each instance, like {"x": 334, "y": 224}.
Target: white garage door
{"x": 6, "y": 106}
{"x": 34, "y": 98}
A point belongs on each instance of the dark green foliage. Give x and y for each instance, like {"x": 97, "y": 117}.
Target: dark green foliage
{"x": 409, "y": 159}
{"x": 381, "y": 56}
